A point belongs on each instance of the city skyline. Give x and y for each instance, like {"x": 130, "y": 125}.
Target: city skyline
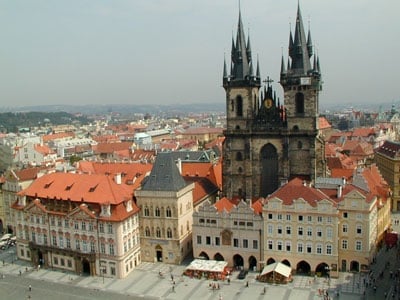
{"x": 168, "y": 52}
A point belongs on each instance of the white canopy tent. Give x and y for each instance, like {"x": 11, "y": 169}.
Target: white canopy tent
{"x": 207, "y": 266}
{"x": 277, "y": 267}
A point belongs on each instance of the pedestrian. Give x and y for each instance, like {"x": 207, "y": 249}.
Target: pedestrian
{"x": 20, "y": 273}
{"x": 247, "y": 284}
{"x": 264, "y": 290}
{"x": 30, "y": 288}
{"x": 173, "y": 288}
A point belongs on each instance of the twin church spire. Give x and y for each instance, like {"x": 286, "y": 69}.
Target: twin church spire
{"x": 300, "y": 51}
{"x": 242, "y": 69}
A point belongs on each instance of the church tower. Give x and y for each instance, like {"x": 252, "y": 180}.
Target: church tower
{"x": 268, "y": 142}
{"x": 242, "y": 97}
{"x": 301, "y": 84}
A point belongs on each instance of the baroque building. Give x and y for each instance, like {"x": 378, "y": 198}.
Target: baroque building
{"x": 87, "y": 224}
{"x": 268, "y": 142}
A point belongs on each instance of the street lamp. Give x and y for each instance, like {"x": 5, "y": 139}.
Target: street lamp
{"x": 103, "y": 271}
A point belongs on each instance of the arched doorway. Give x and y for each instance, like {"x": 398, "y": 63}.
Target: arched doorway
{"x": 159, "y": 254}
{"x": 252, "y": 263}
{"x": 270, "y": 261}
{"x": 238, "y": 261}
{"x": 269, "y": 170}
{"x": 40, "y": 258}
{"x": 286, "y": 262}
{"x": 219, "y": 257}
{"x": 204, "y": 255}
{"x": 354, "y": 266}
{"x": 85, "y": 267}
{"x": 303, "y": 268}
{"x": 344, "y": 265}
{"x": 322, "y": 270}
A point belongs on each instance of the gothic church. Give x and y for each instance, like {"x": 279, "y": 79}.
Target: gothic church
{"x": 268, "y": 142}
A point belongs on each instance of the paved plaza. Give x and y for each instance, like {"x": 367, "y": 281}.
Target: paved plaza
{"x": 145, "y": 283}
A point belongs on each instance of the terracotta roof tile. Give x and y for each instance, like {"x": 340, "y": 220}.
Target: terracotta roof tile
{"x": 296, "y": 189}
{"x": 79, "y": 187}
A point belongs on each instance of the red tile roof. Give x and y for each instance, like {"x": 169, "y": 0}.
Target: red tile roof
{"x": 43, "y": 149}
{"x": 323, "y": 123}
{"x": 132, "y": 173}
{"x": 97, "y": 189}
{"x": 27, "y": 174}
{"x": 224, "y": 205}
{"x": 296, "y": 189}
{"x": 55, "y": 136}
{"x": 110, "y": 148}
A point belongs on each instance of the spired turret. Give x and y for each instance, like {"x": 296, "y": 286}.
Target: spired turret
{"x": 299, "y": 69}
{"x": 242, "y": 70}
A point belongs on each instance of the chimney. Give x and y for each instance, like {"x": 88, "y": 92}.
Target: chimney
{"x": 343, "y": 181}
{"x": 117, "y": 178}
{"x": 339, "y": 191}
{"x": 179, "y": 165}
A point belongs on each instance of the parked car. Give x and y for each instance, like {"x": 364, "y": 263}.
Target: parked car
{"x": 242, "y": 274}
{"x": 3, "y": 245}
{"x": 6, "y": 237}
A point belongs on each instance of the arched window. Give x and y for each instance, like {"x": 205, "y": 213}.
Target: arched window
{"x": 147, "y": 231}
{"x": 157, "y": 212}
{"x": 239, "y": 106}
{"x": 168, "y": 212}
{"x": 169, "y": 233}
{"x": 146, "y": 211}
{"x": 299, "y": 103}
{"x": 299, "y": 145}
{"x": 239, "y": 156}
{"x": 158, "y": 232}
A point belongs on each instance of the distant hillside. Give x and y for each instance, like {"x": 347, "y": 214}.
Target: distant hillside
{"x": 123, "y": 108}
{"x": 13, "y": 121}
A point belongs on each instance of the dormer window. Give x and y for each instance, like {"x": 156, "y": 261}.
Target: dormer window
{"x": 105, "y": 210}
{"x": 129, "y": 206}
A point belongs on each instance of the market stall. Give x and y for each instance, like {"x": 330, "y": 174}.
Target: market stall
{"x": 276, "y": 272}
{"x": 210, "y": 269}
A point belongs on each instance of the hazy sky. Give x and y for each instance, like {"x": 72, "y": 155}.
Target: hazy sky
{"x": 172, "y": 51}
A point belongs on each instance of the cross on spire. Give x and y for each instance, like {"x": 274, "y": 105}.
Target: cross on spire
{"x": 268, "y": 81}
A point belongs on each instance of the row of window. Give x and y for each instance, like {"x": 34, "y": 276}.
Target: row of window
{"x": 157, "y": 212}
{"x": 300, "y": 218}
{"x": 300, "y": 231}
{"x": 216, "y": 241}
{"x": 80, "y": 245}
{"x": 345, "y": 228}
{"x": 82, "y": 225}
{"x": 158, "y": 232}
{"x": 301, "y": 248}
{"x": 357, "y": 247}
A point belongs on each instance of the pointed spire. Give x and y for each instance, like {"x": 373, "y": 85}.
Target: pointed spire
{"x": 283, "y": 68}
{"x": 242, "y": 65}
{"x": 315, "y": 65}
{"x": 288, "y": 64}
{"x": 248, "y": 47}
{"x": 291, "y": 46}
{"x": 251, "y": 71}
{"x": 299, "y": 54}
{"x": 309, "y": 44}
{"x": 225, "y": 74}
{"x": 258, "y": 69}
